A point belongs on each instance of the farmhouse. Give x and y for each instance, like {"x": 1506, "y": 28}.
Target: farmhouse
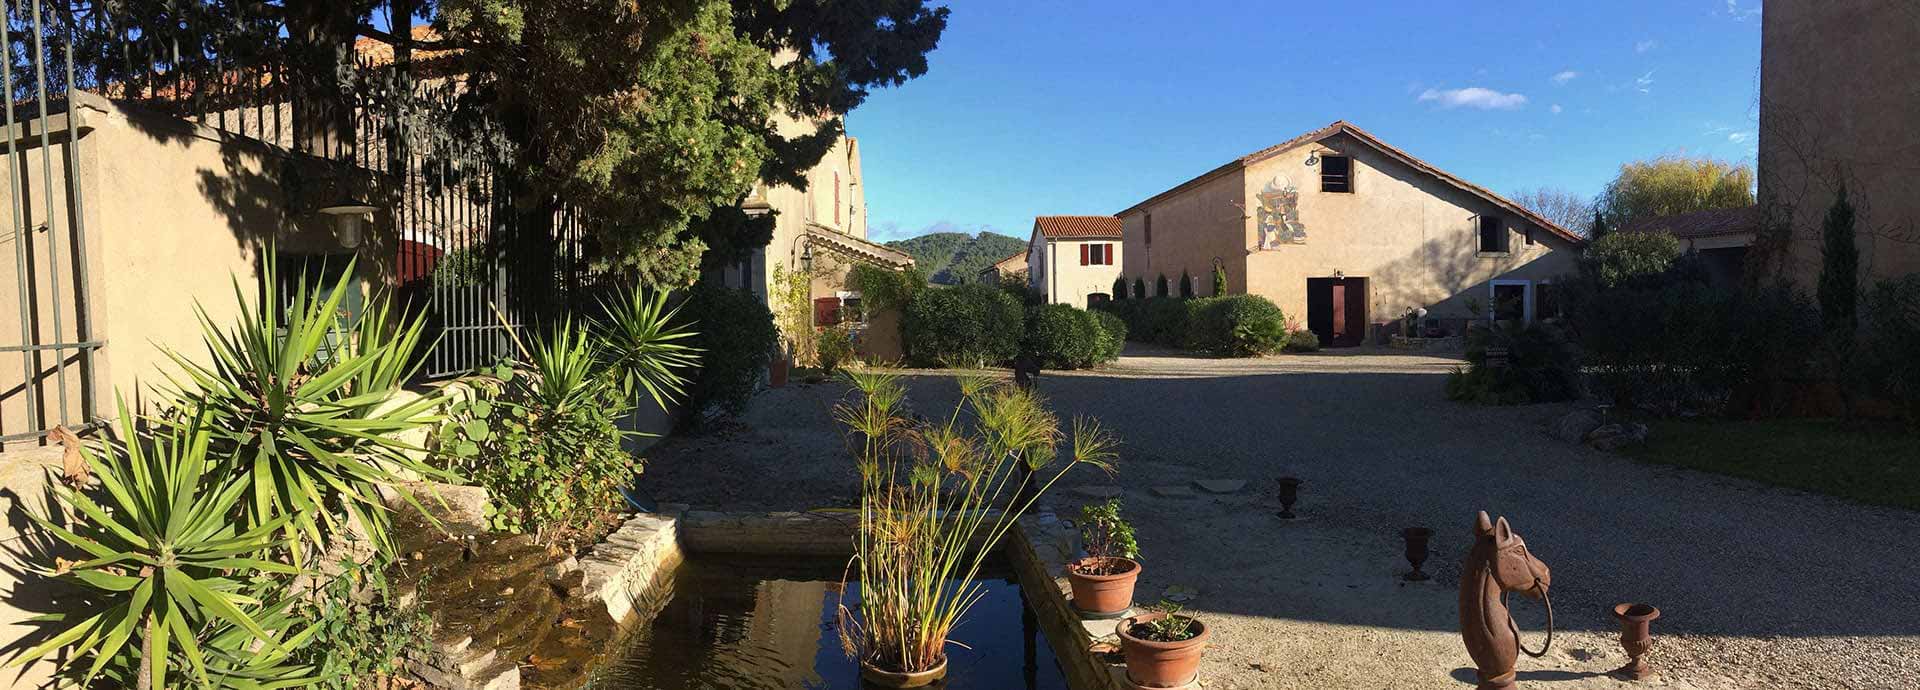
{"x": 1347, "y": 233}
{"x": 1073, "y": 259}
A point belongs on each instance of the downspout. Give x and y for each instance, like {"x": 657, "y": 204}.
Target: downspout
{"x": 1053, "y": 274}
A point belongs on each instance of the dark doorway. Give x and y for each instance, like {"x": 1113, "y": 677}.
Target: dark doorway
{"x": 1337, "y": 310}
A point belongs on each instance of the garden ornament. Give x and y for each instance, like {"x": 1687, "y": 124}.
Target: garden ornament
{"x": 1499, "y": 563}
{"x": 1416, "y": 551}
{"x": 1636, "y": 638}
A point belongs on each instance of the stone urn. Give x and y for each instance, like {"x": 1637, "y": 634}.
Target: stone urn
{"x": 1156, "y": 664}
{"x": 1636, "y": 637}
{"x": 1103, "y": 587}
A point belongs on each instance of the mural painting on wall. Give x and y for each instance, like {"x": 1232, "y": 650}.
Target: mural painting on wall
{"x": 1280, "y": 214}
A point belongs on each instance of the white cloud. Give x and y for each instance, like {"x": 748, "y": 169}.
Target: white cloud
{"x": 1556, "y": 109}
{"x": 1645, "y": 46}
{"x": 1564, "y": 77}
{"x": 1645, "y": 83}
{"x": 1743, "y": 15}
{"x": 1473, "y": 97}
{"x": 1739, "y": 137}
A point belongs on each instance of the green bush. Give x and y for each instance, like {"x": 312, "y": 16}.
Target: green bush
{"x": 1302, "y": 341}
{"x": 966, "y": 326}
{"x": 833, "y": 346}
{"x": 1542, "y": 365}
{"x": 736, "y": 339}
{"x": 1062, "y": 337}
{"x": 1621, "y": 257}
{"x": 1113, "y": 333}
{"x": 1163, "y": 321}
{"x": 1235, "y": 326}
{"x": 1892, "y": 312}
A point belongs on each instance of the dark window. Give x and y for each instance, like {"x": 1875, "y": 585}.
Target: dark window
{"x": 1149, "y": 223}
{"x": 1509, "y": 302}
{"x": 1546, "y": 303}
{"x": 1100, "y": 255}
{"x": 1336, "y": 174}
{"x": 1493, "y": 235}
{"x": 1529, "y": 234}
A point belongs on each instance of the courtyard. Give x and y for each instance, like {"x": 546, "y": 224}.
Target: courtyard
{"x": 1759, "y": 586}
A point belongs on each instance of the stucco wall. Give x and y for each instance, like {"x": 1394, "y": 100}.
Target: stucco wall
{"x": 1829, "y": 112}
{"x": 1059, "y": 275}
{"x": 1413, "y": 236}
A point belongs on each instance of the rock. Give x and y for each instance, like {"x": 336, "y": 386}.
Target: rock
{"x": 1173, "y": 492}
{"x": 1612, "y": 437}
{"x": 1098, "y": 491}
{"x": 1575, "y": 427}
{"x": 1220, "y": 486}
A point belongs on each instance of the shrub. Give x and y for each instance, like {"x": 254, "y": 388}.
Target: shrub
{"x": 1113, "y": 333}
{"x": 736, "y": 340}
{"x": 1163, "y": 321}
{"x": 1062, "y": 337}
{"x": 1620, "y": 257}
{"x": 1219, "y": 280}
{"x": 1893, "y": 341}
{"x": 1235, "y": 326}
{"x": 1542, "y": 365}
{"x": 1119, "y": 289}
{"x": 1160, "y": 286}
{"x": 833, "y": 346}
{"x": 1186, "y": 285}
{"x": 1302, "y": 341}
{"x": 541, "y": 437}
{"x": 1139, "y": 288}
{"x": 967, "y": 325}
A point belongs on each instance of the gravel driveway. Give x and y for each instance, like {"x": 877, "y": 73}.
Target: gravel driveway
{"x": 1760, "y": 587}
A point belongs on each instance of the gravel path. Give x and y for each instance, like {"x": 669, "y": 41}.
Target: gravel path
{"x": 1760, "y": 587}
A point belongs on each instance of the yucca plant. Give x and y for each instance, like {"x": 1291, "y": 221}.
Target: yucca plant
{"x": 301, "y": 408}
{"x": 640, "y": 344}
{"x": 936, "y": 499}
{"x": 170, "y": 581}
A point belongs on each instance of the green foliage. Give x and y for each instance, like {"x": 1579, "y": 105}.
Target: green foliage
{"x": 1672, "y": 185}
{"x": 365, "y": 632}
{"x": 303, "y": 409}
{"x": 1160, "y": 286}
{"x": 1219, "y": 280}
{"x": 956, "y": 258}
{"x": 792, "y": 304}
{"x": 1113, "y": 335}
{"x": 736, "y": 338}
{"x": 1105, "y": 534}
{"x": 1235, "y": 326}
{"x": 1620, "y": 257}
{"x": 1139, "y": 288}
{"x": 1542, "y": 365}
{"x": 165, "y": 564}
{"x": 1302, "y": 341}
{"x": 835, "y": 347}
{"x": 963, "y": 478}
{"x": 1186, "y": 285}
{"x": 1600, "y": 228}
{"x": 1893, "y": 341}
{"x": 1171, "y": 627}
{"x": 963, "y": 326}
{"x": 541, "y": 437}
{"x": 1119, "y": 288}
{"x": 1839, "y": 287}
{"x": 1063, "y": 337}
{"x": 643, "y": 346}
{"x": 884, "y": 289}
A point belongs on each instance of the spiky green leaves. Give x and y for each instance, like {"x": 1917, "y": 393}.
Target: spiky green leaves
{"x": 642, "y": 346}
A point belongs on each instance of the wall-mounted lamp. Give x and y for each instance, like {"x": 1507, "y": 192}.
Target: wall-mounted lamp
{"x": 806, "y": 258}
{"x": 1313, "y": 158}
{"x": 1337, "y": 275}
{"x": 348, "y": 216}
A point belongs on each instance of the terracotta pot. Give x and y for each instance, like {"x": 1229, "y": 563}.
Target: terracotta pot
{"x": 1152, "y": 664}
{"x": 880, "y": 677}
{"x": 1103, "y": 596}
{"x": 777, "y": 371}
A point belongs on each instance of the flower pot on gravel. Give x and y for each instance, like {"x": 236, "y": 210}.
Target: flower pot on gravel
{"x": 880, "y": 677}
{"x": 1158, "y": 663}
{"x": 777, "y": 371}
{"x": 1102, "y": 587}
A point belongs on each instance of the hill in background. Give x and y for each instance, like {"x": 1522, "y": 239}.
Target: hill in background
{"x": 954, "y": 258}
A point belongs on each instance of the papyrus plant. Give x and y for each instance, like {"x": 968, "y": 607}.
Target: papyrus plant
{"x": 168, "y": 580}
{"x": 302, "y": 406}
{"x": 936, "y": 497}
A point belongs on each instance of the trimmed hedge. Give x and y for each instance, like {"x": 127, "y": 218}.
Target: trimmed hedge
{"x": 1231, "y": 326}
{"x": 1113, "y": 335}
{"x": 1063, "y": 337}
{"x": 967, "y": 325}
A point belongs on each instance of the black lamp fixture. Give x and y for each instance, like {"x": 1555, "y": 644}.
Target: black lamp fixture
{"x": 1313, "y": 158}
{"x": 806, "y": 257}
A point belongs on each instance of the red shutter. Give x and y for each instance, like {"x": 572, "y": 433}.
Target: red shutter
{"x": 1106, "y": 254}
{"x": 1083, "y": 254}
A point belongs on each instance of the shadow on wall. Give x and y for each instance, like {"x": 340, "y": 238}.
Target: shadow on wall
{"x": 1442, "y": 275}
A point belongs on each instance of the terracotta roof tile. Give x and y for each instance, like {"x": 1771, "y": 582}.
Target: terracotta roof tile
{"x": 1067, "y": 227}
{"x": 1726, "y": 221}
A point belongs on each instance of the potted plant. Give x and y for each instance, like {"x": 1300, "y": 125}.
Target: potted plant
{"x": 936, "y": 497}
{"x": 778, "y": 366}
{"x": 1103, "y": 579}
{"x": 1162, "y": 647}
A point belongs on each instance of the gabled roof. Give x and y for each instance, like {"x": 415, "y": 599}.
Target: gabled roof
{"x": 1714, "y": 223}
{"x": 1361, "y": 135}
{"x": 1075, "y": 227}
{"x": 857, "y": 248}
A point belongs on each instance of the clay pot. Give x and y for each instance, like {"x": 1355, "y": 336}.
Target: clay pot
{"x": 1103, "y": 596}
{"x": 879, "y": 677}
{"x": 777, "y": 372}
{"x": 1152, "y": 664}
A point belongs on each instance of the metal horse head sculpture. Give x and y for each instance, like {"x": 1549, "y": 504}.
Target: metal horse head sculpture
{"x": 1499, "y": 563}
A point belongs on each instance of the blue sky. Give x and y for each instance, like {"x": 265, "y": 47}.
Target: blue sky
{"x": 1034, "y": 107}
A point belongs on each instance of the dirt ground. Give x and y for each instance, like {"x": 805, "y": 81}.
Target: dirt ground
{"x": 1760, "y": 587}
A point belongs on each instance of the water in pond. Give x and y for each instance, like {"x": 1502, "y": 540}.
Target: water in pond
{"x": 737, "y": 624}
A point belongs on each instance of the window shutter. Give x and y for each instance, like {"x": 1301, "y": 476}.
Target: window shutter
{"x": 1083, "y": 254}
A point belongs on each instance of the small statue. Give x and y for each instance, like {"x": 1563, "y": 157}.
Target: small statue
{"x": 1499, "y": 563}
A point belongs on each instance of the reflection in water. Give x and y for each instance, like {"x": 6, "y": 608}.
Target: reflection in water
{"x": 755, "y": 624}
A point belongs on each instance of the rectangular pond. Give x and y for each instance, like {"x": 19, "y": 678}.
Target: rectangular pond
{"x": 738, "y": 623}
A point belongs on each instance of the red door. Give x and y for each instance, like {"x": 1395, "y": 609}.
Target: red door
{"x": 1339, "y": 312}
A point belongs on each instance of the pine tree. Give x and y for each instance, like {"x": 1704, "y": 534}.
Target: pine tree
{"x": 1839, "y": 270}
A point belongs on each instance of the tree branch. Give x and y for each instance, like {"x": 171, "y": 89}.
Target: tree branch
{"x": 369, "y": 31}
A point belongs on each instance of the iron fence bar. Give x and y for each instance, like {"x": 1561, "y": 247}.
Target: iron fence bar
{"x": 82, "y": 346}
{"x": 76, "y": 220}
{"x": 53, "y": 236}
{"x": 19, "y": 228}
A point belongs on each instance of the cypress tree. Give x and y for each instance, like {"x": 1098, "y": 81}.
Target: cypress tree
{"x": 1139, "y": 288}
{"x": 1839, "y": 270}
{"x": 1160, "y": 286}
{"x": 1119, "y": 288}
{"x": 1219, "y": 280}
{"x": 1186, "y": 285}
